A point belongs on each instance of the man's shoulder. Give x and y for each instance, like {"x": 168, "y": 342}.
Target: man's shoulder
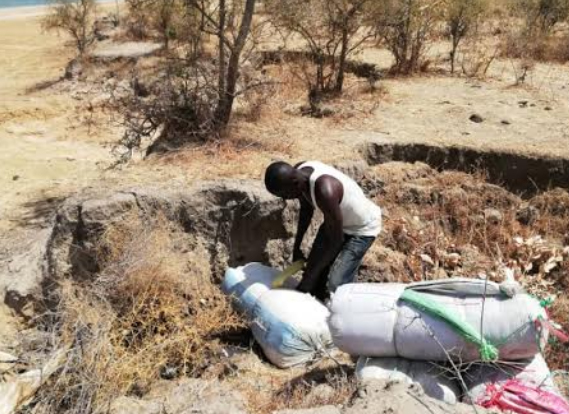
{"x": 327, "y": 186}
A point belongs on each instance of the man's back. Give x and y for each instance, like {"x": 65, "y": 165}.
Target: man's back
{"x": 361, "y": 216}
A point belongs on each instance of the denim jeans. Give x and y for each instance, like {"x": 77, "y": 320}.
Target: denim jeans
{"x": 345, "y": 267}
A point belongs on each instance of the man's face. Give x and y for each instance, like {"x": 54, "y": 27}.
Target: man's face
{"x": 288, "y": 191}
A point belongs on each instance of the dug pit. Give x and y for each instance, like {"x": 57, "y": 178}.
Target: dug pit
{"x": 437, "y": 224}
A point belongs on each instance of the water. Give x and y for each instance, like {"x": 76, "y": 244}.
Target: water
{"x": 19, "y": 3}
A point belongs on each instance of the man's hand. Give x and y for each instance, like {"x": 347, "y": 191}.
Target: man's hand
{"x": 303, "y": 286}
{"x": 298, "y": 255}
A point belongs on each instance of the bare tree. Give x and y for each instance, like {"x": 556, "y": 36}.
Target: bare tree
{"x": 191, "y": 98}
{"x": 330, "y": 30}
{"x": 461, "y": 17}
{"x": 213, "y": 16}
{"x": 541, "y": 15}
{"x": 405, "y": 26}
{"x": 74, "y": 17}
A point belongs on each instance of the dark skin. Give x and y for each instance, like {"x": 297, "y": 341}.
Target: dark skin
{"x": 328, "y": 192}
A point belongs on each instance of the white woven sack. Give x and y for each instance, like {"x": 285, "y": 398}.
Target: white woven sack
{"x": 369, "y": 319}
{"x": 431, "y": 378}
{"x": 246, "y": 284}
{"x": 291, "y": 327}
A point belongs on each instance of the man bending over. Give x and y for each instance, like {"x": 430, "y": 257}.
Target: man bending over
{"x": 351, "y": 222}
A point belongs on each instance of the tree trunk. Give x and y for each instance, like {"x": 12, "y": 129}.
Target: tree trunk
{"x": 221, "y": 53}
{"x": 343, "y": 54}
{"x": 225, "y": 104}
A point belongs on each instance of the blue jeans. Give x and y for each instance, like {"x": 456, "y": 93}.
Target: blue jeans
{"x": 345, "y": 267}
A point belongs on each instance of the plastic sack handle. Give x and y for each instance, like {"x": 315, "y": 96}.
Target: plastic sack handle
{"x": 286, "y": 273}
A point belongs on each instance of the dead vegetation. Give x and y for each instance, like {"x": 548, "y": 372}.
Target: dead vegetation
{"x": 455, "y": 224}
{"x": 151, "y": 312}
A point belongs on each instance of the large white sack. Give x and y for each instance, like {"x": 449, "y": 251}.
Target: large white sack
{"x": 291, "y": 327}
{"x": 245, "y": 284}
{"x": 533, "y": 372}
{"x": 433, "y": 380}
{"x": 369, "y": 319}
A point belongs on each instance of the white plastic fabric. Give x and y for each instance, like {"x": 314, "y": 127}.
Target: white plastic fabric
{"x": 533, "y": 372}
{"x": 369, "y": 319}
{"x": 431, "y": 378}
{"x": 246, "y": 284}
{"x": 291, "y": 327}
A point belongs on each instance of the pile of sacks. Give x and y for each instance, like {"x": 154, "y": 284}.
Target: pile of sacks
{"x": 411, "y": 333}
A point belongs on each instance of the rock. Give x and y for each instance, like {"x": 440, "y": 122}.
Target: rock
{"x": 108, "y": 51}
{"x": 188, "y": 396}
{"x": 74, "y": 69}
{"x": 327, "y": 409}
{"x": 523, "y": 104}
{"x": 548, "y": 108}
{"x": 22, "y": 275}
{"x": 15, "y": 177}
{"x": 476, "y": 118}
{"x": 505, "y": 122}
{"x": 354, "y": 169}
{"x": 493, "y": 216}
{"x": 140, "y": 88}
{"x": 527, "y": 215}
{"x": 326, "y": 111}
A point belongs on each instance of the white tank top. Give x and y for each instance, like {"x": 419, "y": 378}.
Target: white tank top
{"x": 361, "y": 216}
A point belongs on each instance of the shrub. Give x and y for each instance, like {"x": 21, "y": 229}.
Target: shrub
{"x": 405, "y": 27}
{"x": 461, "y": 18}
{"x": 74, "y": 17}
{"x": 152, "y": 311}
{"x": 331, "y": 31}
{"x": 542, "y": 15}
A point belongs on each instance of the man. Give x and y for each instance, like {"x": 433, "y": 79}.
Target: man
{"x": 351, "y": 222}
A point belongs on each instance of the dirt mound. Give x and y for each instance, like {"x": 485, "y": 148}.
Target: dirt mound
{"x": 203, "y": 397}
{"x": 394, "y": 397}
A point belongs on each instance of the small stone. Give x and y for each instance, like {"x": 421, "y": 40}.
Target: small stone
{"x": 493, "y": 216}
{"x": 505, "y": 122}
{"x": 523, "y": 104}
{"x": 74, "y": 69}
{"x": 548, "y": 108}
{"x": 476, "y": 118}
{"x": 168, "y": 373}
{"x": 527, "y": 215}
{"x": 15, "y": 178}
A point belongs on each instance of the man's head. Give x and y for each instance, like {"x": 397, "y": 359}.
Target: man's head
{"x": 283, "y": 180}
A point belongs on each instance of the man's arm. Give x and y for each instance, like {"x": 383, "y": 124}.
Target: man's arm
{"x": 304, "y": 219}
{"x": 329, "y": 193}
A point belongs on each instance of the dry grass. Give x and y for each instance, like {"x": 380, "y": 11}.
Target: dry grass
{"x": 152, "y": 311}
{"x": 539, "y": 46}
{"x": 455, "y": 224}
{"x": 557, "y": 352}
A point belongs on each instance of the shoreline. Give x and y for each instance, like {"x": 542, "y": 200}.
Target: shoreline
{"x": 27, "y": 12}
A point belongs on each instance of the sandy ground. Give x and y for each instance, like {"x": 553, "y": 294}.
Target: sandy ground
{"x": 48, "y": 151}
